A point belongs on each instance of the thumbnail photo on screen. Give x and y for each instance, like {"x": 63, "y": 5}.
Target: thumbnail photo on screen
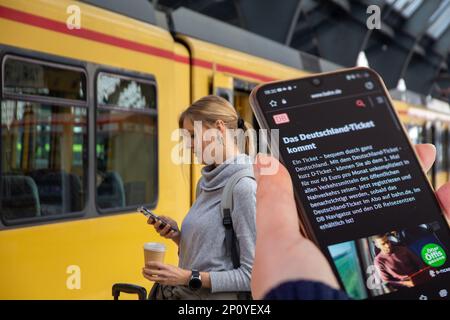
{"x": 392, "y": 261}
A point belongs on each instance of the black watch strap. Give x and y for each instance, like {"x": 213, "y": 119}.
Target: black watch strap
{"x": 196, "y": 281}
{"x": 195, "y": 274}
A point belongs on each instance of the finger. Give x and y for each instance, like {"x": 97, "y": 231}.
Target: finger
{"x": 155, "y": 265}
{"x": 157, "y": 279}
{"x": 266, "y": 165}
{"x": 152, "y": 278}
{"x": 171, "y": 221}
{"x": 165, "y": 230}
{"x": 166, "y": 220}
{"x": 151, "y": 220}
{"x": 162, "y": 225}
{"x": 443, "y": 195}
{"x": 427, "y": 155}
{"x": 274, "y": 201}
{"x": 171, "y": 234}
{"x": 163, "y": 219}
{"x": 278, "y": 234}
{"x": 155, "y": 272}
{"x": 146, "y": 276}
{"x": 157, "y": 226}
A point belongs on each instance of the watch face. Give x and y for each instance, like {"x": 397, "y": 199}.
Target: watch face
{"x": 195, "y": 283}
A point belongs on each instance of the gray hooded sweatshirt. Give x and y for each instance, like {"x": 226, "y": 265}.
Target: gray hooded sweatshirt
{"x": 202, "y": 242}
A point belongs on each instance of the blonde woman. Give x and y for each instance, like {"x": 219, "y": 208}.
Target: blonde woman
{"x": 205, "y": 269}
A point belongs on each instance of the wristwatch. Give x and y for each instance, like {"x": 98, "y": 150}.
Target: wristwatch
{"x": 195, "y": 282}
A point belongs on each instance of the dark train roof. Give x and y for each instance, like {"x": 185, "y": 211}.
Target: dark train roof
{"x": 412, "y": 44}
{"x": 142, "y": 10}
{"x": 193, "y": 24}
{"x": 188, "y": 22}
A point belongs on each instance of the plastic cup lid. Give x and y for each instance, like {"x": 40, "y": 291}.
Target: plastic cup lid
{"x": 155, "y": 246}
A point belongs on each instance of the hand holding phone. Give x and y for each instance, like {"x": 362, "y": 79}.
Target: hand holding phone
{"x": 163, "y": 225}
{"x": 356, "y": 180}
{"x": 283, "y": 253}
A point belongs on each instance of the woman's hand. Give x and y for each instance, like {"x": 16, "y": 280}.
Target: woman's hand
{"x": 166, "y": 274}
{"x": 166, "y": 232}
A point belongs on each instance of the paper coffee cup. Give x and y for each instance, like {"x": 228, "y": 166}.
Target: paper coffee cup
{"x": 154, "y": 251}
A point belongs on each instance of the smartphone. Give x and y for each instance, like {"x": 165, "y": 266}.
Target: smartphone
{"x": 360, "y": 191}
{"x": 150, "y": 214}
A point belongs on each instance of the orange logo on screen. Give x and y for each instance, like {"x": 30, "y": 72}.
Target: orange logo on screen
{"x": 281, "y": 118}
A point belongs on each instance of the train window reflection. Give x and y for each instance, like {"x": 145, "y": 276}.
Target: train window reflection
{"x": 42, "y": 174}
{"x": 30, "y": 78}
{"x": 126, "y": 143}
{"x": 415, "y": 133}
{"x": 124, "y": 92}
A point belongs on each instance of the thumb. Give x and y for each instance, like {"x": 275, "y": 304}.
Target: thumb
{"x": 427, "y": 155}
{"x": 276, "y": 211}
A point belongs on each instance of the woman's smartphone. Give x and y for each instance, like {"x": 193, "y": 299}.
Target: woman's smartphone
{"x": 150, "y": 214}
{"x": 361, "y": 193}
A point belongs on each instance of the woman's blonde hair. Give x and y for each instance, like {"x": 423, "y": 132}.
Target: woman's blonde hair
{"x": 211, "y": 108}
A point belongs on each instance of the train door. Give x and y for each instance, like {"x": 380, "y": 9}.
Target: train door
{"x": 447, "y": 150}
{"x": 242, "y": 91}
{"x": 222, "y": 85}
{"x": 237, "y": 92}
{"x": 427, "y": 137}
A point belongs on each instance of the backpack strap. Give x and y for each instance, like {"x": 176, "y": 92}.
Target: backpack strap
{"x": 226, "y": 207}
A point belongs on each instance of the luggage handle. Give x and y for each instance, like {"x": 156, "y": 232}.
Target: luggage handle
{"x": 117, "y": 288}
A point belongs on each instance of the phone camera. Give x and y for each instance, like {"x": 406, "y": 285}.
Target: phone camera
{"x": 316, "y": 81}
{"x": 369, "y": 85}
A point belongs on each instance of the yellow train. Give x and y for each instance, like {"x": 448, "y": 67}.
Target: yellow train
{"x": 90, "y": 96}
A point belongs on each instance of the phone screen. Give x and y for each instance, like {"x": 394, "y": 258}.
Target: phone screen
{"x": 361, "y": 190}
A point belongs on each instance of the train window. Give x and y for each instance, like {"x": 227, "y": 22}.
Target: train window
{"x": 427, "y": 137}
{"x": 414, "y": 132}
{"x": 43, "y": 143}
{"x": 126, "y": 142}
{"x": 23, "y": 77}
{"x": 124, "y": 92}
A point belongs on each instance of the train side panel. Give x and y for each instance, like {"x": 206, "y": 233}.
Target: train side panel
{"x": 42, "y": 261}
